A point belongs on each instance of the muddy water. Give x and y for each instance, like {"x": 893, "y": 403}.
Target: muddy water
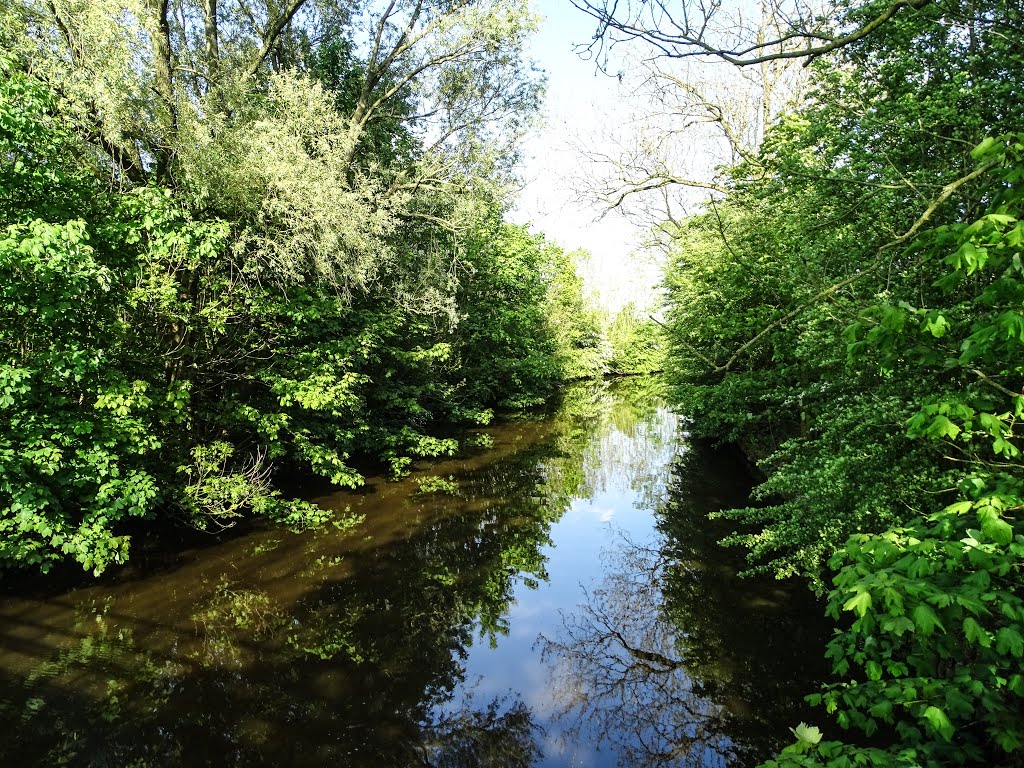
{"x": 558, "y": 600}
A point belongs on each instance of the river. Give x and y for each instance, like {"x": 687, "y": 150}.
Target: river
{"x": 555, "y": 598}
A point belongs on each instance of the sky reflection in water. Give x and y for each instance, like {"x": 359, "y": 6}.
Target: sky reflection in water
{"x": 568, "y": 600}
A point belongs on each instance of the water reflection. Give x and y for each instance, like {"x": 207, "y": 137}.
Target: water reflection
{"x": 347, "y": 664}
{"x": 621, "y": 439}
{"x": 672, "y": 660}
{"x": 411, "y": 639}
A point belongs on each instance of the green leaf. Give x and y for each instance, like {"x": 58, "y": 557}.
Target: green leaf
{"x": 1016, "y": 684}
{"x": 858, "y": 603}
{"x": 997, "y": 529}
{"x": 807, "y": 737}
{"x": 938, "y": 720}
{"x": 987, "y": 147}
{"x": 926, "y": 619}
{"x": 976, "y": 633}
{"x": 874, "y": 670}
{"x": 937, "y": 326}
{"x": 942, "y": 427}
{"x": 882, "y": 710}
{"x": 959, "y": 508}
{"x": 1009, "y": 640}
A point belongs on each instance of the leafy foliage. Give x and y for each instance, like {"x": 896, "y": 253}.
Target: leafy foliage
{"x": 576, "y": 324}
{"x": 849, "y": 313}
{"x": 635, "y": 341}
{"x": 78, "y": 425}
{"x": 228, "y": 246}
{"x": 936, "y": 646}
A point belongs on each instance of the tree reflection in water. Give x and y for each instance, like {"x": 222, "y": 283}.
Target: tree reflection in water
{"x": 248, "y": 690}
{"x": 497, "y": 736}
{"x": 673, "y": 660}
{"x": 619, "y": 677}
{"x": 352, "y": 648}
{"x": 327, "y": 649}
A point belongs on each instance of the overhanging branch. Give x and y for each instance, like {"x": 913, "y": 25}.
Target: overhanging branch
{"x": 690, "y": 38}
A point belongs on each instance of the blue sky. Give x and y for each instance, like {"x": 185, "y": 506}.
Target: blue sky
{"x": 579, "y": 101}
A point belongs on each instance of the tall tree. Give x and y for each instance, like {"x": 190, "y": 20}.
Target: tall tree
{"x": 275, "y": 202}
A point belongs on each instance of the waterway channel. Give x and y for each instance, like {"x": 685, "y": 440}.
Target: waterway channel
{"x": 557, "y": 599}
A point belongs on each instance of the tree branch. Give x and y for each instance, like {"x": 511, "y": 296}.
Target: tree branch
{"x": 691, "y": 41}
{"x": 943, "y": 196}
{"x": 658, "y": 181}
{"x": 274, "y": 31}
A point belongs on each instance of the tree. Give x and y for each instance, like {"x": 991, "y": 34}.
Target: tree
{"x": 507, "y": 351}
{"x": 576, "y": 325}
{"x": 691, "y": 121}
{"x": 76, "y": 426}
{"x": 798, "y": 29}
{"x": 934, "y": 648}
{"x": 266, "y": 234}
{"x": 635, "y": 341}
{"x": 846, "y": 311}
{"x": 764, "y": 283}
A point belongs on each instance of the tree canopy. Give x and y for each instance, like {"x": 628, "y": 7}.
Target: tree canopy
{"x": 238, "y": 238}
{"x": 845, "y": 304}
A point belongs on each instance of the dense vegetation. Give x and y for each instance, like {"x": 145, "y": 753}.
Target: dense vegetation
{"x": 850, "y": 308}
{"x": 635, "y": 342}
{"x": 236, "y": 237}
{"x": 239, "y": 236}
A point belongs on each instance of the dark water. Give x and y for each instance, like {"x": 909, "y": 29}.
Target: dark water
{"x": 565, "y": 605}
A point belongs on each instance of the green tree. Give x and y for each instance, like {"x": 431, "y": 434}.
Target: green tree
{"x": 577, "y": 325}
{"x": 935, "y": 647}
{"x": 507, "y": 348}
{"x": 847, "y": 309}
{"x": 635, "y": 341}
{"x": 78, "y": 429}
{"x": 232, "y": 241}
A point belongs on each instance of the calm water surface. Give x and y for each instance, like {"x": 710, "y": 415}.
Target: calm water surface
{"x": 563, "y": 604}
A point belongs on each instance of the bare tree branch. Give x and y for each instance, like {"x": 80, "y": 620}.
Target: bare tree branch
{"x": 802, "y": 38}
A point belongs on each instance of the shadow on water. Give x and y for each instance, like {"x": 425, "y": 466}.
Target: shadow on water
{"x": 352, "y": 647}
